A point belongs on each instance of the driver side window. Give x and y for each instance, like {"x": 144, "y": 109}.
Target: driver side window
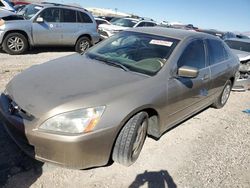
{"x": 51, "y": 15}
{"x": 193, "y": 55}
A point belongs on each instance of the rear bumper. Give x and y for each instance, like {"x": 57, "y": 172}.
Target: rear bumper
{"x": 78, "y": 152}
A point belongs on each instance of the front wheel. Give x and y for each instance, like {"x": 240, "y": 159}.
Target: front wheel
{"x": 131, "y": 139}
{"x": 82, "y": 44}
{"x": 222, "y": 99}
{"x": 15, "y": 44}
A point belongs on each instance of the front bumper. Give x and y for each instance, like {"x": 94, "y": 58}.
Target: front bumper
{"x": 1, "y": 36}
{"x": 78, "y": 152}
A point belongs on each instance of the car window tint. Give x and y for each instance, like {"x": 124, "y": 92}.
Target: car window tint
{"x": 216, "y": 51}
{"x": 1, "y": 4}
{"x": 51, "y": 15}
{"x": 83, "y": 18}
{"x": 68, "y": 16}
{"x": 193, "y": 55}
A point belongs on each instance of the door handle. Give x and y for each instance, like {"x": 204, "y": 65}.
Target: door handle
{"x": 205, "y": 77}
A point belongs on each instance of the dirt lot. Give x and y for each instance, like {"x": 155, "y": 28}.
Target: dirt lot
{"x": 211, "y": 149}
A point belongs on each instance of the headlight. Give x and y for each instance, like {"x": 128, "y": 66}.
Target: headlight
{"x": 79, "y": 121}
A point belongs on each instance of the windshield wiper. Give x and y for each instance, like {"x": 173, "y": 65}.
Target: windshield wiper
{"x": 109, "y": 62}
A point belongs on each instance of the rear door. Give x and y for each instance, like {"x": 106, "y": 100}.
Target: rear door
{"x": 219, "y": 64}
{"x": 85, "y": 23}
{"x": 70, "y": 27}
{"x": 50, "y": 31}
{"x": 186, "y": 95}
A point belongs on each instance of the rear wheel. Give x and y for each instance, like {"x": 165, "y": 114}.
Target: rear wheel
{"x": 82, "y": 44}
{"x": 15, "y": 44}
{"x": 131, "y": 139}
{"x": 222, "y": 99}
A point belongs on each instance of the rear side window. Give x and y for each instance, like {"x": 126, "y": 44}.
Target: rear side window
{"x": 216, "y": 52}
{"x": 68, "y": 16}
{"x": 193, "y": 55}
{"x": 51, "y": 15}
{"x": 83, "y": 18}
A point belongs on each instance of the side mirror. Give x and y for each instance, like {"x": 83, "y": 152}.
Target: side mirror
{"x": 39, "y": 20}
{"x": 188, "y": 72}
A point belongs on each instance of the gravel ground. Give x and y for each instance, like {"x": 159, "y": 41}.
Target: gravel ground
{"x": 212, "y": 149}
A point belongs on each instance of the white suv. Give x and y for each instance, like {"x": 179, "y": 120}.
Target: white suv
{"x": 107, "y": 30}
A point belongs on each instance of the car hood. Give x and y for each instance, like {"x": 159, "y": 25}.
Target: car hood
{"x": 68, "y": 80}
{"x": 4, "y": 13}
{"x": 112, "y": 27}
{"x": 243, "y": 56}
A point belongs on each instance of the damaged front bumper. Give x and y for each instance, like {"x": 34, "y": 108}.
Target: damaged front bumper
{"x": 242, "y": 82}
{"x": 77, "y": 151}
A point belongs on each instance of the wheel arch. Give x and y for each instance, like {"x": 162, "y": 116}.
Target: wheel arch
{"x": 24, "y": 33}
{"x": 153, "y": 124}
{"x": 85, "y": 35}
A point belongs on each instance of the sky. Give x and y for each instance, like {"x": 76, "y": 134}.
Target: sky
{"x": 225, "y": 15}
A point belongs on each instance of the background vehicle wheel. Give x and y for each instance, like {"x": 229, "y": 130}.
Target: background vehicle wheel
{"x": 222, "y": 99}
{"x": 82, "y": 44}
{"x": 15, "y": 44}
{"x": 131, "y": 139}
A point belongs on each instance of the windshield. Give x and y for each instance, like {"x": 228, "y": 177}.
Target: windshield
{"x": 29, "y": 11}
{"x": 124, "y": 22}
{"x": 239, "y": 45}
{"x": 138, "y": 52}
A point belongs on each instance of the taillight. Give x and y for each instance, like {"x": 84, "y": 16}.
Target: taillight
{"x": 1, "y": 22}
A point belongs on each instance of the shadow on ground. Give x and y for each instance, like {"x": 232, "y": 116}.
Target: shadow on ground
{"x": 38, "y": 50}
{"x": 159, "y": 179}
{"x": 14, "y": 162}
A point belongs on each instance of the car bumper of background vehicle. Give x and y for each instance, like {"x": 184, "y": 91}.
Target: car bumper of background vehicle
{"x": 1, "y": 36}
{"x": 78, "y": 152}
{"x": 105, "y": 34}
{"x": 241, "y": 85}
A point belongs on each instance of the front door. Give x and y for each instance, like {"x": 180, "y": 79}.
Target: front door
{"x": 186, "y": 95}
{"x": 50, "y": 31}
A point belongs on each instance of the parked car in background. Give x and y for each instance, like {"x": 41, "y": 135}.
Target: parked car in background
{"x": 110, "y": 18}
{"x": 212, "y": 32}
{"x": 6, "y": 5}
{"x": 101, "y": 21}
{"x": 19, "y": 7}
{"x": 48, "y": 24}
{"x": 121, "y": 24}
{"x": 241, "y": 47}
{"x": 4, "y": 13}
{"x": 84, "y": 110}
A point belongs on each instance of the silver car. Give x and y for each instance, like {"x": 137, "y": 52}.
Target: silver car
{"x": 48, "y": 24}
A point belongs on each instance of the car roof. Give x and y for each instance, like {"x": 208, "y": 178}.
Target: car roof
{"x": 172, "y": 33}
{"x": 239, "y": 40}
{"x": 47, "y": 4}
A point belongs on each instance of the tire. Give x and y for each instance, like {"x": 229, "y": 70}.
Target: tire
{"x": 82, "y": 44}
{"x": 222, "y": 99}
{"x": 15, "y": 44}
{"x": 131, "y": 139}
